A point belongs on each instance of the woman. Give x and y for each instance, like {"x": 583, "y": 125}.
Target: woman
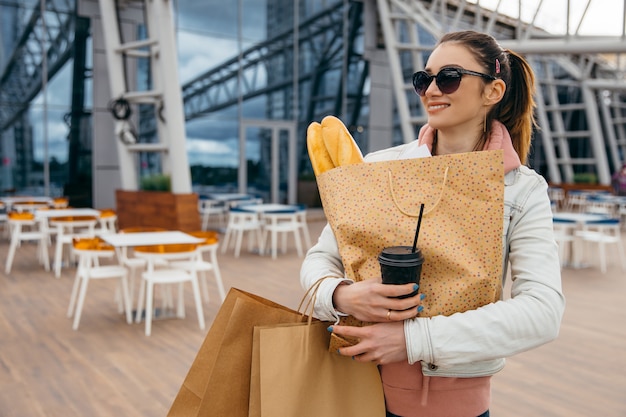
{"x": 478, "y": 97}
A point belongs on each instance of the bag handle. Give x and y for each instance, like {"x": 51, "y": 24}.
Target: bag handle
{"x": 308, "y": 299}
{"x": 405, "y": 212}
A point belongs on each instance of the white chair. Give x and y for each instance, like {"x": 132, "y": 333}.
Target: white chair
{"x": 602, "y": 233}
{"x": 133, "y": 263}
{"x": 599, "y": 205}
{"x": 282, "y": 222}
{"x": 557, "y": 197}
{"x": 240, "y": 223}
{"x": 304, "y": 225}
{"x": 167, "y": 275}
{"x": 89, "y": 251}
{"x": 621, "y": 211}
{"x": 202, "y": 266}
{"x": 23, "y": 227}
{"x": 4, "y": 218}
{"x": 564, "y": 237}
{"x": 212, "y": 209}
{"x": 576, "y": 201}
{"x": 67, "y": 228}
{"x": 107, "y": 222}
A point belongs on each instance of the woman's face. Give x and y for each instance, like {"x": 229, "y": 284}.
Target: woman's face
{"x": 464, "y": 108}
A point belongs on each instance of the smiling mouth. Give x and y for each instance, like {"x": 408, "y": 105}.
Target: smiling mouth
{"x": 438, "y": 107}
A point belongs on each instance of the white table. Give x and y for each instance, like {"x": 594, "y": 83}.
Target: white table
{"x": 226, "y": 197}
{"x": 75, "y": 212}
{"x": 25, "y": 199}
{"x": 24, "y": 203}
{"x": 172, "y": 237}
{"x": 269, "y": 207}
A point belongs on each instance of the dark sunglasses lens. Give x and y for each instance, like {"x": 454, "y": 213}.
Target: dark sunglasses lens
{"x": 421, "y": 81}
{"x": 448, "y": 80}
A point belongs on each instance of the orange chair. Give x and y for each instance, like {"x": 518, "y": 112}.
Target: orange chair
{"x": 89, "y": 252}
{"x": 60, "y": 202}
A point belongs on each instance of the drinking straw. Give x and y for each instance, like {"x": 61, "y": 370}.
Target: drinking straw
{"x": 417, "y": 230}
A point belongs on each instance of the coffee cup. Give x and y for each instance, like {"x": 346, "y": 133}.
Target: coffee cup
{"x": 400, "y": 265}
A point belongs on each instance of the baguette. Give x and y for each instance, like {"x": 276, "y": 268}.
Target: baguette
{"x": 331, "y": 145}
{"x": 340, "y": 144}
{"x": 320, "y": 159}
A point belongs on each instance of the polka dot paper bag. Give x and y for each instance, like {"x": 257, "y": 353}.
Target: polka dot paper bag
{"x": 374, "y": 205}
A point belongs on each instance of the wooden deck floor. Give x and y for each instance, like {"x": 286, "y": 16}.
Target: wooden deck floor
{"x": 108, "y": 368}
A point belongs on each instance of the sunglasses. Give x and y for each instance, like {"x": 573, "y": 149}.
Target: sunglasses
{"x": 448, "y": 80}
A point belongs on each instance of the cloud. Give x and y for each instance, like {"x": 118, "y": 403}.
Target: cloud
{"x": 211, "y": 152}
{"x": 198, "y": 53}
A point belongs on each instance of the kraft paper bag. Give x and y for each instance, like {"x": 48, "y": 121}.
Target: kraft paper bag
{"x": 374, "y": 205}
{"x": 293, "y": 374}
{"x": 218, "y": 381}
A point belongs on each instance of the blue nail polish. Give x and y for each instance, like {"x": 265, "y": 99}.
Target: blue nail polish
{"x": 420, "y": 309}
{"x": 415, "y": 287}
{"x": 422, "y": 296}
{"x": 338, "y": 352}
{"x": 353, "y": 358}
{"x": 330, "y": 328}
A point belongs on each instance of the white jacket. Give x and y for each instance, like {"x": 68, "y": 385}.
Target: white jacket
{"x": 475, "y": 343}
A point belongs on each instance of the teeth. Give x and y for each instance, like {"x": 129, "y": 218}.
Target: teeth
{"x": 440, "y": 106}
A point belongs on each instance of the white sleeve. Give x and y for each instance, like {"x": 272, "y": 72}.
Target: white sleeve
{"x": 532, "y": 315}
{"x": 323, "y": 261}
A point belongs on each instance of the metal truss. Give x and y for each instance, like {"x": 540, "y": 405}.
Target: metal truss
{"x": 22, "y": 77}
{"x": 218, "y": 89}
{"x": 581, "y": 95}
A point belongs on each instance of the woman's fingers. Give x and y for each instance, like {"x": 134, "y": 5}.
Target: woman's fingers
{"x": 370, "y": 300}
{"x": 380, "y": 343}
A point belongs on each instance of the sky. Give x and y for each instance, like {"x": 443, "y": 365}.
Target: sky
{"x": 552, "y": 16}
{"x": 211, "y": 140}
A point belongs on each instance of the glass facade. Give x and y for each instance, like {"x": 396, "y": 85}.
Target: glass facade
{"x": 35, "y": 97}
{"x": 238, "y": 61}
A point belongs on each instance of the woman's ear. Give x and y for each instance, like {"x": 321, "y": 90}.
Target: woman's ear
{"x": 494, "y": 91}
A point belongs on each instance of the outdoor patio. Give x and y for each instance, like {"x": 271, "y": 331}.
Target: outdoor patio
{"x": 109, "y": 368}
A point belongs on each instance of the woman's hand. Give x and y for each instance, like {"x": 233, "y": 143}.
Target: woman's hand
{"x": 381, "y": 343}
{"x": 371, "y": 300}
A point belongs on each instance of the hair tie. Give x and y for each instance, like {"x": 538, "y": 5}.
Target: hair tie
{"x": 497, "y": 66}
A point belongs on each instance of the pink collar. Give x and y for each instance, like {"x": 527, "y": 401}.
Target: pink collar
{"x": 498, "y": 139}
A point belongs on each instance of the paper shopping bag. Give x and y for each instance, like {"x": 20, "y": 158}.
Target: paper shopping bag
{"x": 377, "y": 204}
{"x": 218, "y": 381}
{"x": 293, "y": 374}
